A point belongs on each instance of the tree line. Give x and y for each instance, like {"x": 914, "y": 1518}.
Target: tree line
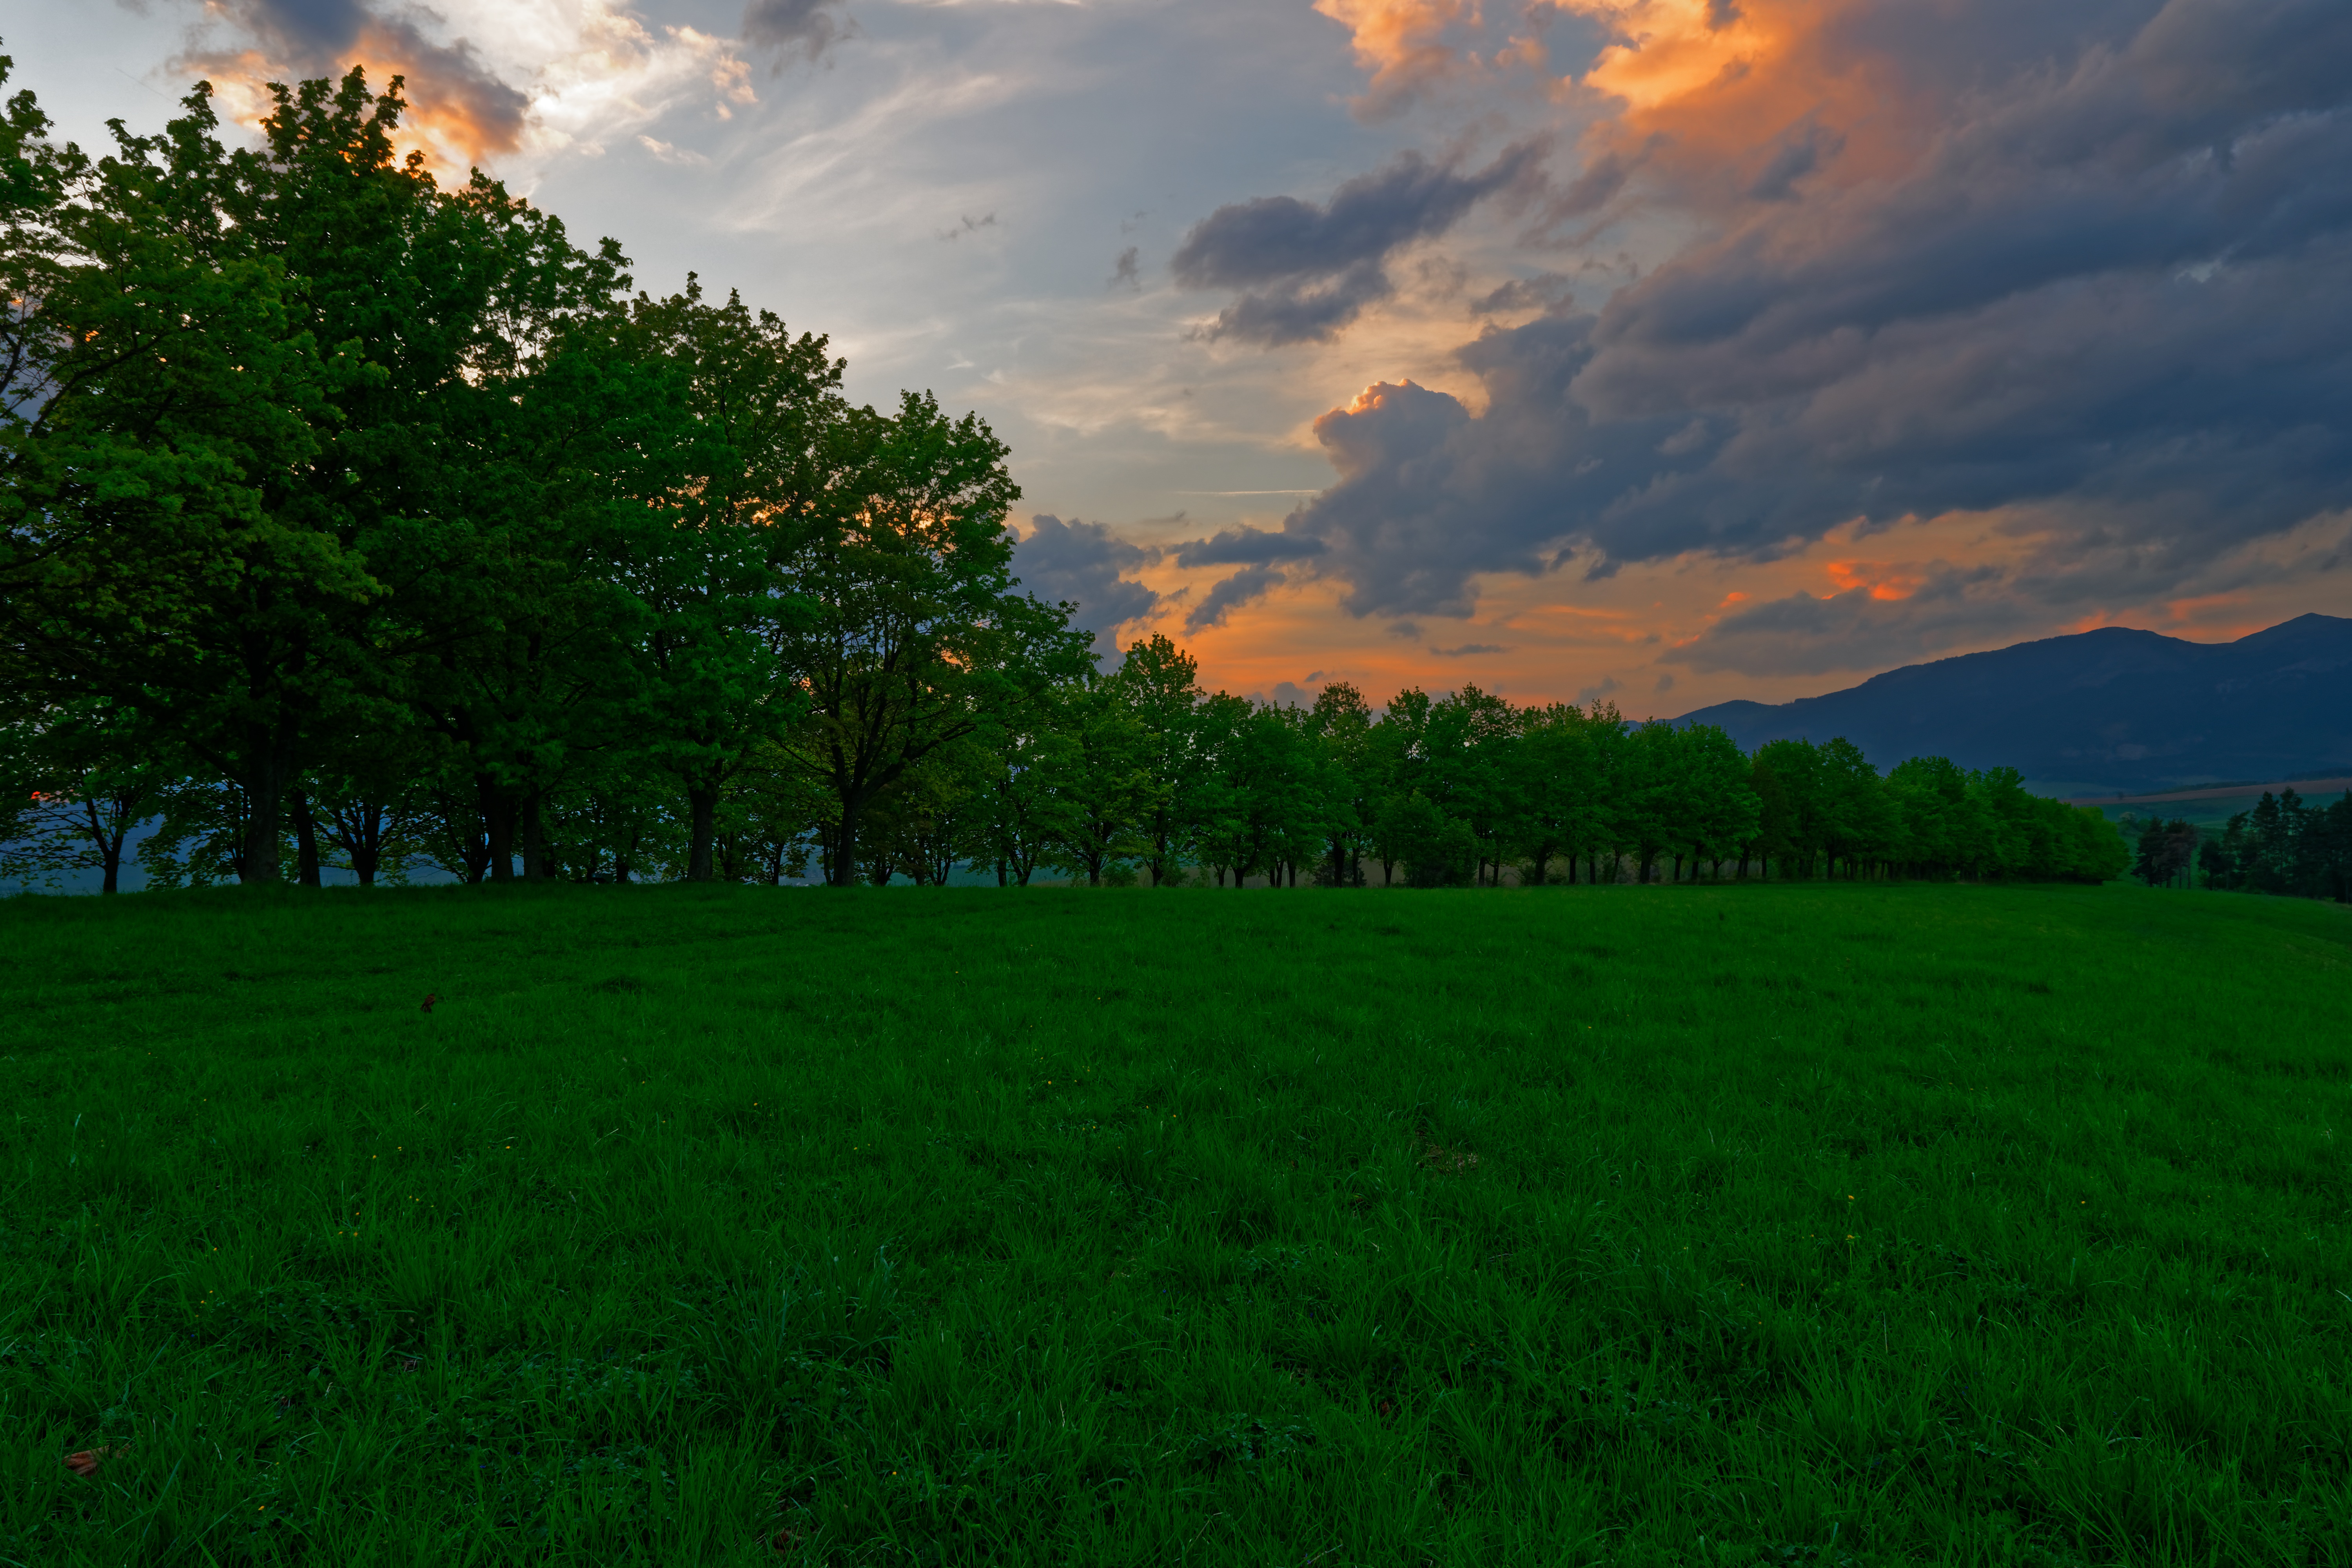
{"x": 352, "y": 523}
{"x": 2284, "y": 844}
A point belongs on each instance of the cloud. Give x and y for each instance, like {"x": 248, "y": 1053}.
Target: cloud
{"x": 1081, "y": 564}
{"x": 1246, "y": 546}
{"x": 2097, "y": 294}
{"x": 668, "y": 153}
{"x": 1467, "y": 651}
{"x": 1857, "y": 629}
{"x": 969, "y": 224}
{"x": 1409, "y": 47}
{"x": 1544, "y": 291}
{"x": 456, "y": 103}
{"x": 1128, "y": 272}
{"x": 525, "y": 81}
{"x": 1229, "y": 594}
{"x": 1308, "y": 271}
{"x": 806, "y": 27}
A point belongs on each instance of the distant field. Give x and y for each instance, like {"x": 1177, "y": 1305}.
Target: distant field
{"x": 2211, "y": 809}
{"x": 1787, "y": 1224}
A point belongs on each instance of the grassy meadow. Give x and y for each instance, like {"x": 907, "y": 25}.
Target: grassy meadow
{"x": 1735, "y": 1225}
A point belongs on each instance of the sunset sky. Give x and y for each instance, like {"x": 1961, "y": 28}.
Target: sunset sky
{"x": 1669, "y": 351}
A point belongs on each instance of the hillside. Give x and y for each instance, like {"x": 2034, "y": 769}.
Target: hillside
{"x": 2107, "y": 709}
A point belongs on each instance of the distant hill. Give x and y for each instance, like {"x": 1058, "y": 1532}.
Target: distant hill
{"x": 2108, "y": 710}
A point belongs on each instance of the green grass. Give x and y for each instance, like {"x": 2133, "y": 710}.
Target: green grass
{"x": 1741, "y": 1225}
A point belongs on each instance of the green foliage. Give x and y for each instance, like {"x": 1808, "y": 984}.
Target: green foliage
{"x": 78, "y": 780}
{"x": 1986, "y": 1223}
{"x": 404, "y": 530}
{"x": 2284, "y": 844}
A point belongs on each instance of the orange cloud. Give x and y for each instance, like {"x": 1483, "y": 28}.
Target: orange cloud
{"x": 456, "y": 123}
{"x": 570, "y": 75}
{"x": 458, "y": 118}
{"x": 1885, "y": 581}
{"x": 1402, "y": 43}
{"x": 2217, "y": 617}
{"x": 1756, "y": 95}
{"x": 1747, "y": 97}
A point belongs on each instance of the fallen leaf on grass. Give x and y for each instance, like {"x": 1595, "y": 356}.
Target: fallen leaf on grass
{"x": 429, "y": 1000}
{"x": 85, "y": 1462}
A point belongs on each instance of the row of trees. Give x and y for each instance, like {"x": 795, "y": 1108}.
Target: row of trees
{"x": 1141, "y": 774}
{"x": 349, "y": 521}
{"x": 2284, "y": 844}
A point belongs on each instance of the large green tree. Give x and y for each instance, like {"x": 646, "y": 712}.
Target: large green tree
{"x": 912, "y": 627}
{"x": 743, "y": 498}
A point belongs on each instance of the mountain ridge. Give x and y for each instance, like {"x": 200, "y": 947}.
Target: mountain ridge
{"x": 2117, "y": 708}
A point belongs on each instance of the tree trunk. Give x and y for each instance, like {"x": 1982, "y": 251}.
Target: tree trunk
{"x": 306, "y": 839}
{"x": 109, "y": 844}
{"x": 497, "y": 828}
{"x": 841, "y": 865}
{"x": 534, "y": 841}
{"x": 703, "y": 824}
{"x": 265, "y": 783}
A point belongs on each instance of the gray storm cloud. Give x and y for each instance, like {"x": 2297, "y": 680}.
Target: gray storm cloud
{"x": 1246, "y": 546}
{"x": 1307, "y": 271}
{"x": 1081, "y": 564}
{"x": 1228, "y": 595}
{"x": 807, "y": 27}
{"x": 2109, "y": 294}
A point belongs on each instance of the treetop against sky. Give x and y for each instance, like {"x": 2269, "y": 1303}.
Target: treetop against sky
{"x": 1667, "y": 351}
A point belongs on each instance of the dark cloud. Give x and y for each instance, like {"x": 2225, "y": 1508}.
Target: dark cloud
{"x": 1306, "y": 271}
{"x": 1246, "y": 546}
{"x": 1229, "y": 596}
{"x": 1799, "y": 152}
{"x": 1081, "y": 564}
{"x": 1593, "y": 189}
{"x": 1467, "y": 651}
{"x": 1290, "y": 694}
{"x": 1544, "y": 291}
{"x": 806, "y": 27}
{"x": 1302, "y": 314}
{"x": 2108, "y": 298}
{"x": 1129, "y": 273}
{"x": 447, "y": 86}
{"x": 969, "y": 224}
